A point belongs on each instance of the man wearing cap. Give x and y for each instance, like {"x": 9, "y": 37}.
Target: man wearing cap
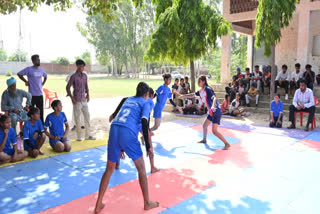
{"x": 11, "y": 101}
{"x": 34, "y": 82}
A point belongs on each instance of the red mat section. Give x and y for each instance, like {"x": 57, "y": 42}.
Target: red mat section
{"x": 169, "y": 186}
{"x": 311, "y": 144}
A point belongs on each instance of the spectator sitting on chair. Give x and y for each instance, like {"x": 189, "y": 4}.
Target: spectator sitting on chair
{"x": 247, "y": 78}
{"x": 282, "y": 80}
{"x": 252, "y": 94}
{"x": 11, "y": 101}
{"x": 303, "y": 101}
{"x": 309, "y": 76}
{"x": 256, "y": 77}
{"x": 276, "y": 112}
{"x": 235, "y": 109}
{"x": 296, "y": 76}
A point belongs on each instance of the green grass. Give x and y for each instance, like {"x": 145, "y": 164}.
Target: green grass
{"x": 102, "y": 87}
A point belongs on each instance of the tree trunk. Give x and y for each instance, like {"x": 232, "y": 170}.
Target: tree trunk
{"x": 127, "y": 72}
{"x": 193, "y": 80}
{"x": 273, "y": 72}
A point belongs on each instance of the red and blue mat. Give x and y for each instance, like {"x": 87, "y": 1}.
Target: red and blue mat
{"x": 265, "y": 171}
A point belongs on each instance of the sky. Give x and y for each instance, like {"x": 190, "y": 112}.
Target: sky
{"x": 47, "y": 33}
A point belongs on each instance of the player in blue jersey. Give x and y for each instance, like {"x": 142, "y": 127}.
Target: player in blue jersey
{"x": 33, "y": 133}
{"x": 8, "y": 144}
{"x": 151, "y": 105}
{"x": 214, "y": 112}
{"x": 123, "y": 135}
{"x": 162, "y": 94}
{"x": 59, "y": 128}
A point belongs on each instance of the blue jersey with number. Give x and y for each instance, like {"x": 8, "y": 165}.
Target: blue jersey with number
{"x": 131, "y": 113}
{"x": 163, "y": 93}
{"x": 207, "y": 95}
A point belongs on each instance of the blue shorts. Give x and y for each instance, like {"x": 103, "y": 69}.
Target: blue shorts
{"x": 216, "y": 116}
{"x": 123, "y": 138}
{"x": 9, "y": 152}
{"x": 157, "y": 111}
{"x": 26, "y": 147}
{"x": 53, "y": 142}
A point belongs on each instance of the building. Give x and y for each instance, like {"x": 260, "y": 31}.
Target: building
{"x": 300, "y": 40}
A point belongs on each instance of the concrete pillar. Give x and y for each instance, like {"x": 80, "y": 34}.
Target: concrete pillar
{"x": 225, "y": 59}
{"x": 250, "y": 52}
{"x": 303, "y": 45}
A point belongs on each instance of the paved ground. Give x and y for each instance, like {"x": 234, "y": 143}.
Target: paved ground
{"x": 265, "y": 171}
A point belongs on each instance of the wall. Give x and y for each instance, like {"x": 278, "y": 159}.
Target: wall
{"x": 314, "y": 30}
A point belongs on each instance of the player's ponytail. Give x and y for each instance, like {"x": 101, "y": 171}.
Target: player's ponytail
{"x": 142, "y": 89}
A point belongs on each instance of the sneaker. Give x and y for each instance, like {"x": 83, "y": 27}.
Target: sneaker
{"x": 287, "y": 97}
{"x": 90, "y": 138}
{"x": 292, "y": 126}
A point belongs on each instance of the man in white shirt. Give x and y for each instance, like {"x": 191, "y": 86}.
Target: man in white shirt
{"x": 256, "y": 77}
{"x": 282, "y": 80}
{"x": 303, "y": 101}
{"x": 296, "y": 76}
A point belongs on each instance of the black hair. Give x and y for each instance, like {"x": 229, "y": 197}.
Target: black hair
{"x": 303, "y": 81}
{"x": 182, "y": 79}
{"x": 257, "y": 66}
{"x": 142, "y": 89}
{"x": 308, "y": 66}
{"x": 166, "y": 76}
{"x": 278, "y": 95}
{"x": 80, "y": 62}
{"x": 297, "y": 65}
{"x": 55, "y": 103}
{"x": 34, "y": 57}
{"x": 176, "y": 79}
{"x": 238, "y": 94}
{"x": 254, "y": 85}
{"x": 151, "y": 91}
{"x": 247, "y": 69}
{"x": 3, "y": 118}
{"x": 285, "y": 66}
{"x": 33, "y": 110}
{"x": 226, "y": 96}
{"x": 186, "y": 78}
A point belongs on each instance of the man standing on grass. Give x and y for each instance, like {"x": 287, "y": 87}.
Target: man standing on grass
{"x": 80, "y": 98}
{"x": 34, "y": 82}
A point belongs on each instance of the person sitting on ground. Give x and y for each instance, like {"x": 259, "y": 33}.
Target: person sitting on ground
{"x": 276, "y": 112}
{"x": 309, "y": 76}
{"x": 232, "y": 89}
{"x": 247, "y": 78}
{"x": 239, "y": 75}
{"x": 225, "y": 105}
{"x": 8, "y": 143}
{"x": 182, "y": 87}
{"x": 282, "y": 80}
{"x": 256, "y": 77}
{"x": 175, "y": 88}
{"x": 266, "y": 79}
{"x": 235, "y": 109}
{"x": 33, "y": 133}
{"x": 303, "y": 101}
{"x": 296, "y": 76}
{"x": 242, "y": 91}
{"x": 11, "y": 101}
{"x": 186, "y": 82}
{"x": 58, "y": 136}
{"x": 252, "y": 94}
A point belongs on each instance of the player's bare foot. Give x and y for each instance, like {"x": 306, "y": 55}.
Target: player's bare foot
{"x": 150, "y": 205}
{"x": 226, "y": 147}
{"x": 202, "y": 141}
{"x": 154, "y": 170}
{"x": 99, "y": 207}
{"x": 41, "y": 153}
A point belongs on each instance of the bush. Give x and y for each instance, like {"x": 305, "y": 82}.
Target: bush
{"x": 9, "y": 73}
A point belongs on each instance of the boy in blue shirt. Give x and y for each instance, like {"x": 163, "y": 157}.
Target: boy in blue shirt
{"x": 8, "y": 144}
{"x": 33, "y": 133}
{"x": 162, "y": 94}
{"x": 124, "y": 136}
{"x": 58, "y": 136}
{"x": 276, "y": 112}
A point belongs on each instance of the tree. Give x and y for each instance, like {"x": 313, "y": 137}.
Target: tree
{"x": 3, "y": 55}
{"x": 186, "y": 31}
{"x": 272, "y": 16}
{"x": 239, "y": 51}
{"x": 86, "y": 57}
{"x": 18, "y": 56}
{"x": 62, "y": 61}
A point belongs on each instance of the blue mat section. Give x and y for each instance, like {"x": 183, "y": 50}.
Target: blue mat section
{"x": 314, "y": 136}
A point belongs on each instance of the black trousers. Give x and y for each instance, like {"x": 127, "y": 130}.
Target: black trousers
{"x": 37, "y": 101}
{"x": 293, "y": 109}
{"x": 284, "y": 85}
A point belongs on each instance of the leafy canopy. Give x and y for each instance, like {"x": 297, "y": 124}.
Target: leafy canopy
{"x": 186, "y": 30}
{"x": 272, "y": 16}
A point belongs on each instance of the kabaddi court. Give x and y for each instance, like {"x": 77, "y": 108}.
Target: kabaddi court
{"x": 265, "y": 171}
